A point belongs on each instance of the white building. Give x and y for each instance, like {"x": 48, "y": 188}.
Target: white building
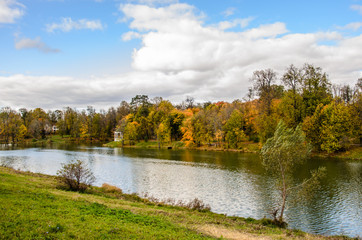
{"x": 118, "y": 136}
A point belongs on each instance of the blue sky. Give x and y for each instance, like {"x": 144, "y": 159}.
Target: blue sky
{"x": 57, "y": 53}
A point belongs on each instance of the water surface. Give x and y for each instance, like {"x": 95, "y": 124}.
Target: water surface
{"x": 231, "y": 183}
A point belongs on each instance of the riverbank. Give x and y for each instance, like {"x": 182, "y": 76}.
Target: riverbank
{"x": 354, "y": 153}
{"x": 31, "y": 206}
{"x": 247, "y": 147}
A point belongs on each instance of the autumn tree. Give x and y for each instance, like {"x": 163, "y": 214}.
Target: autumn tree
{"x": 70, "y": 123}
{"x": 158, "y": 114}
{"x": 200, "y": 132}
{"x": 265, "y": 87}
{"x": 110, "y": 122}
{"x": 131, "y": 132}
{"x": 188, "y": 129}
{"x": 10, "y": 123}
{"x": 39, "y": 125}
{"x": 174, "y": 120}
{"x": 163, "y": 134}
{"x": 122, "y": 110}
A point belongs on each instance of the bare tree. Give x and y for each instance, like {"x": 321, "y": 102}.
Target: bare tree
{"x": 190, "y": 102}
{"x": 263, "y": 81}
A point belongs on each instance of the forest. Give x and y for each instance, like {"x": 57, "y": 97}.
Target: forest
{"x": 330, "y": 116}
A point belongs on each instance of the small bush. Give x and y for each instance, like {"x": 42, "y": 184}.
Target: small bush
{"x": 198, "y": 205}
{"x": 76, "y": 176}
{"x": 195, "y": 204}
{"x": 111, "y": 189}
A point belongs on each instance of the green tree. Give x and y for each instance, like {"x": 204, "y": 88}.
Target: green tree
{"x": 140, "y": 105}
{"x": 131, "y": 131}
{"x": 292, "y": 102}
{"x": 199, "y": 133}
{"x": 281, "y": 154}
{"x": 316, "y": 88}
{"x": 331, "y": 127}
{"x": 312, "y": 127}
{"x": 21, "y": 132}
{"x": 163, "y": 134}
{"x": 234, "y": 129}
{"x": 175, "y": 119}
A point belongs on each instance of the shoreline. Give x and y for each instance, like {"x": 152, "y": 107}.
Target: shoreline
{"x": 354, "y": 153}
{"x": 109, "y": 213}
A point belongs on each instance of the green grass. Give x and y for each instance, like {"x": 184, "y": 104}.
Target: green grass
{"x": 351, "y": 154}
{"x": 30, "y": 209}
{"x": 58, "y": 138}
{"x": 113, "y": 144}
{"x": 354, "y": 153}
{"x": 33, "y": 207}
{"x": 148, "y": 144}
{"x": 246, "y": 147}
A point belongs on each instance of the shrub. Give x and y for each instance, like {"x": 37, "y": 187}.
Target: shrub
{"x": 110, "y": 188}
{"x": 198, "y": 205}
{"x": 195, "y": 204}
{"x": 76, "y": 176}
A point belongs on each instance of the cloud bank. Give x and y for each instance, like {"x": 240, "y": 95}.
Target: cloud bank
{"x": 182, "y": 56}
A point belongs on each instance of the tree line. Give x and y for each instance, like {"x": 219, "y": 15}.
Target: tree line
{"x": 330, "y": 115}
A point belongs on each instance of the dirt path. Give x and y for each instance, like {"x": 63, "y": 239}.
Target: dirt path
{"x": 217, "y": 231}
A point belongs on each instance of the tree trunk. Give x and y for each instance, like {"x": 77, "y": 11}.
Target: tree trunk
{"x": 284, "y": 195}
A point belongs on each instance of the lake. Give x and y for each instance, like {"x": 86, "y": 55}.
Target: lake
{"x": 231, "y": 183}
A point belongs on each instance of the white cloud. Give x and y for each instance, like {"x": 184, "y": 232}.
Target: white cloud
{"x": 174, "y": 17}
{"x": 154, "y": 2}
{"x": 58, "y": 92}
{"x": 67, "y": 24}
{"x": 27, "y": 43}
{"x": 10, "y": 10}
{"x": 236, "y": 22}
{"x": 229, "y": 12}
{"x": 175, "y": 39}
{"x": 130, "y": 35}
{"x": 266, "y": 31}
{"x": 180, "y": 55}
{"x": 352, "y": 26}
{"x": 357, "y": 8}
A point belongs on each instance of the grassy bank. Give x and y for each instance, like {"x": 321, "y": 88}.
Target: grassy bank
{"x": 32, "y": 207}
{"x": 247, "y": 147}
{"x": 351, "y": 154}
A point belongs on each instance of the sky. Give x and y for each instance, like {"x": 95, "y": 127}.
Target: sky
{"x": 77, "y": 53}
